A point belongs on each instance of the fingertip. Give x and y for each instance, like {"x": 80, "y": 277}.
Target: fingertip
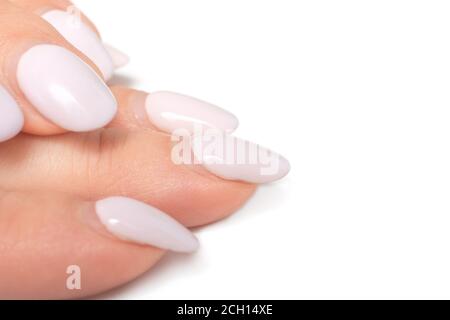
{"x": 138, "y": 222}
{"x": 42, "y": 237}
{"x": 119, "y": 58}
{"x": 65, "y": 89}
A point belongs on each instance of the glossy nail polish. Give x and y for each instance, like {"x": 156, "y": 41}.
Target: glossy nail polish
{"x": 11, "y": 117}
{"x": 82, "y": 37}
{"x": 171, "y": 111}
{"x": 119, "y": 58}
{"x": 138, "y": 222}
{"x": 231, "y": 158}
{"x": 65, "y": 89}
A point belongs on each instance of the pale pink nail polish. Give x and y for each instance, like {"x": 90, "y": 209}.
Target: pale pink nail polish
{"x": 82, "y": 37}
{"x": 65, "y": 89}
{"x": 11, "y": 117}
{"x": 235, "y": 159}
{"x": 119, "y": 58}
{"x": 171, "y": 111}
{"x": 135, "y": 221}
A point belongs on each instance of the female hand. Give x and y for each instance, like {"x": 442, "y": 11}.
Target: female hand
{"x": 66, "y": 200}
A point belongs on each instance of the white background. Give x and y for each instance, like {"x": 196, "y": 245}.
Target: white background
{"x": 356, "y": 94}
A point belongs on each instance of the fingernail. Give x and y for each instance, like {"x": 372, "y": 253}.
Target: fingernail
{"x": 231, "y": 158}
{"x": 171, "y": 111}
{"x": 65, "y": 89}
{"x": 119, "y": 58}
{"x": 138, "y": 222}
{"x": 11, "y": 117}
{"x": 82, "y": 37}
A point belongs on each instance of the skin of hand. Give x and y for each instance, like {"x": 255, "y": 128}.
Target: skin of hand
{"x": 42, "y": 225}
{"x": 21, "y": 29}
{"x": 50, "y": 182}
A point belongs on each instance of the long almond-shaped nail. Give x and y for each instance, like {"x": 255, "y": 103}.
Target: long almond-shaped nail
{"x": 138, "y": 222}
{"x": 65, "y": 89}
{"x": 171, "y": 111}
{"x": 235, "y": 159}
{"x": 11, "y": 117}
{"x": 82, "y": 37}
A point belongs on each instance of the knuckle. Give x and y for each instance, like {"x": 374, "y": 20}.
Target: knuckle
{"x": 103, "y": 153}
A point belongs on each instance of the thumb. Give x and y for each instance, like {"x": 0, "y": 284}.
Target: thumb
{"x": 59, "y": 247}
